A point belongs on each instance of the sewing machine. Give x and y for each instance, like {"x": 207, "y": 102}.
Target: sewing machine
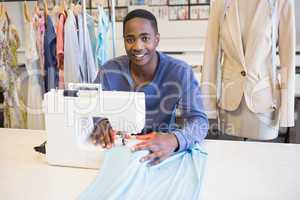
{"x": 69, "y": 118}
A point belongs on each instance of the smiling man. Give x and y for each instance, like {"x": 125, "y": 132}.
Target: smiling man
{"x": 168, "y": 84}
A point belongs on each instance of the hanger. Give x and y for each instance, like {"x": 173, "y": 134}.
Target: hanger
{"x": 2, "y": 10}
{"x": 36, "y": 8}
{"x": 46, "y": 8}
{"x": 6, "y": 15}
{"x": 77, "y": 8}
{"x": 36, "y": 15}
{"x": 27, "y": 17}
{"x": 55, "y": 9}
{"x": 69, "y": 4}
{"x": 42, "y": 5}
{"x": 52, "y": 4}
{"x": 62, "y": 6}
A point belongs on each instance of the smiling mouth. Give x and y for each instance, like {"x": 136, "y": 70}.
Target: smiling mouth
{"x": 139, "y": 56}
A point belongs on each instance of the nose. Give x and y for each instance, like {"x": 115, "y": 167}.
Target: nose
{"x": 138, "y": 45}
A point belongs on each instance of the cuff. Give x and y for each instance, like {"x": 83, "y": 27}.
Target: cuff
{"x": 182, "y": 143}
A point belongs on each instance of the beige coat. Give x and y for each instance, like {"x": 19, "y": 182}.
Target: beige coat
{"x": 248, "y": 71}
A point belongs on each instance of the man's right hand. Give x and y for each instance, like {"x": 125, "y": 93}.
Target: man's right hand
{"x": 103, "y": 134}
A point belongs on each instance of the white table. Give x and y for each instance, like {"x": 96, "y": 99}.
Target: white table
{"x": 235, "y": 171}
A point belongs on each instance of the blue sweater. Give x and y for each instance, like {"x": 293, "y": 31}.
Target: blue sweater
{"x": 173, "y": 86}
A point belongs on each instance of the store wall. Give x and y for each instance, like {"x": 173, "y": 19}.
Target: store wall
{"x": 183, "y": 39}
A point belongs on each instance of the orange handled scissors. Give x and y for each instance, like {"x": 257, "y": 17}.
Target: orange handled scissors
{"x": 148, "y": 136}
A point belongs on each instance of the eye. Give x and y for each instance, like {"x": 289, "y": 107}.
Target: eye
{"x": 129, "y": 40}
{"x": 145, "y": 38}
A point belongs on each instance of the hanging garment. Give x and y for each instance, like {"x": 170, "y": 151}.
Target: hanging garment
{"x": 123, "y": 177}
{"x": 60, "y": 47}
{"x": 91, "y": 29}
{"x": 102, "y": 38}
{"x": 244, "y": 38}
{"x": 51, "y": 71}
{"x": 35, "y": 116}
{"x": 88, "y": 71}
{"x": 72, "y": 58}
{"x": 39, "y": 21}
{"x": 14, "y": 107}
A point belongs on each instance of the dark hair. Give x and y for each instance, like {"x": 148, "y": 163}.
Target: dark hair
{"x": 141, "y": 13}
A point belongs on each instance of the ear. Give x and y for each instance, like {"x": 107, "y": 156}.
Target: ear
{"x": 157, "y": 38}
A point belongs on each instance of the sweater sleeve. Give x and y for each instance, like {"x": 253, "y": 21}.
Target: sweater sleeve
{"x": 190, "y": 105}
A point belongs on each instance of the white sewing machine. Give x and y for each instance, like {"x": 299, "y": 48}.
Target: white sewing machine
{"x": 69, "y": 121}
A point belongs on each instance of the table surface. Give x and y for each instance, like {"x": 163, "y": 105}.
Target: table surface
{"x": 235, "y": 170}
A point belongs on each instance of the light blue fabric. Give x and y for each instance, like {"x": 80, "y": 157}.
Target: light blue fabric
{"x": 88, "y": 71}
{"x": 91, "y": 28}
{"x": 71, "y": 51}
{"x": 102, "y": 38}
{"x": 123, "y": 177}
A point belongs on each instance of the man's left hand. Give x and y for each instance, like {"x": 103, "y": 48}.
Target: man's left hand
{"x": 161, "y": 146}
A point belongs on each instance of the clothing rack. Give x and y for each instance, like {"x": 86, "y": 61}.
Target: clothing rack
{"x": 113, "y": 19}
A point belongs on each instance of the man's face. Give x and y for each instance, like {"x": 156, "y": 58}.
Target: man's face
{"x": 140, "y": 41}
